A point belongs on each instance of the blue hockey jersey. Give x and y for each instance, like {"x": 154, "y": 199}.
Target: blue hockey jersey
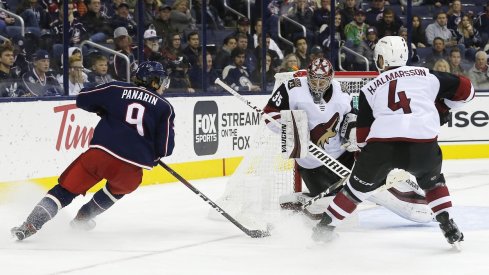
{"x": 136, "y": 124}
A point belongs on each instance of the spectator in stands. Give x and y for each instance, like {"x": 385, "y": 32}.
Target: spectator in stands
{"x": 482, "y": 24}
{"x": 439, "y": 29}
{"x": 236, "y": 75}
{"x": 301, "y": 53}
{"x": 38, "y": 81}
{"x": 440, "y": 3}
{"x": 302, "y": 12}
{"x": 193, "y": 48}
{"x": 290, "y": 63}
{"x": 76, "y": 76}
{"x": 454, "y": 14}
{"x": 195, "y": 75}
{"x": 181, "y": 18}
{"x": 322, "y": 15}
{"x": 438, "y": 52}
{"x": 250, "y": 58}
{"x": 34, "y": 15}
{"x": 77, "y": 32}
{"x": 123, "y": 44}
{"x": 455, "y": 60}
{"x": 348, "y": 11}
{"x": 468, "y": 36}
{"x": 258, "y": 53}
{"x": 356, "y": 31}
{"x": 96, "y": 23}
{"x": 414, "y": 57}
{"x": 388, "y": 26}
{"x": 366, "y": 49}
{"x": 374, "y": 14}
{"x": 152, "y": 46}
{"x": 173, "y": 48}
{"x": 162, "y": 22}
{"x": 179, "y": 81}
{"x": 243, "y": 27}
{"x": 257, "y": 36}
{"x": 324, "y": 38}
{"x": 100, "y": 70}
{"x": 8, "y": 78}
{"x": 150, "y": 11}
{"x": 316, "y": 52}
{"x": 441, "y": 65}
{"x": 418, "y": 35}
{"x": 5, "y": 19}
{"x": 122, "y": 18}
{"x": 213, "y": 20}
{"x": 256, "y": 76}
{"x": 223, "y": 57}
{"x": 479, "y": 73}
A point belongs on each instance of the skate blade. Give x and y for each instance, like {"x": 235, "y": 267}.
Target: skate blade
{"x": 456, "y": 246}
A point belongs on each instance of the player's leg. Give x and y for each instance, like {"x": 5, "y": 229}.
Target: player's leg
{"x": 367, "y": 176}
{"x": 428, "y": 173}
{"x": 122, "y": 178}
{"x": 75, "y": 180}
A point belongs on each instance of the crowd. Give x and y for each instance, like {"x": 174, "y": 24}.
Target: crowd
{"x": 452, "y": 39}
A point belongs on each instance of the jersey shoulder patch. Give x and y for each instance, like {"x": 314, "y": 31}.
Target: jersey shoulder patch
{"x": 295, "y": 82}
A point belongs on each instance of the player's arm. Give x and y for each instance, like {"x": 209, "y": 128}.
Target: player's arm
{"x": 279, "y": 101}
{"x": 165, "y": 136}
{"x": 454, "y": 92}
{"x": 365, "y": 119}
{"x": 93, "y": 99}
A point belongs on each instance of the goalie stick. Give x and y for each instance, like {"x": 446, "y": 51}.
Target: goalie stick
{"x": 250, "y": 232}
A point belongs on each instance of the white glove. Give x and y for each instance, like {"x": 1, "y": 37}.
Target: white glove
{"x": 348, "y": 132}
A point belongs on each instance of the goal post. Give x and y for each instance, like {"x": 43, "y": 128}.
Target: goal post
{"x": 253, "y": 191}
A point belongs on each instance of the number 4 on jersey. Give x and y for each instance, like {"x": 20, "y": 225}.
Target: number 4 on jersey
{"x": 403, "y": 102}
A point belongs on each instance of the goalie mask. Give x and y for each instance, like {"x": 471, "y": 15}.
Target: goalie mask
{"x": 319, "y": 75}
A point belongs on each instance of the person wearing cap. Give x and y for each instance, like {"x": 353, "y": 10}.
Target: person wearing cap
{"x": 123, "y": 44}
{"x": 122, "y": 18}
{"x": 162, "y": 22}
{"x": 181, "y": 18}
{"x": 316, "y": 52}
{"x": 366, "y": 49}
{"x": 356, "y": 30}
{"x": 38, "y": 81}
{"x": 152, "y": 46}
{"x": 243, "y": 27}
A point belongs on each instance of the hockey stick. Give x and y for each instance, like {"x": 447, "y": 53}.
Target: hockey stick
{"x": 250, "y": 232}
{"x": 328, "y": 161}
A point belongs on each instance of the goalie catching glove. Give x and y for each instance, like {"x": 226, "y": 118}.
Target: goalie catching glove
{"x": 348, "y": 132}
{"x": 294, "y": 133}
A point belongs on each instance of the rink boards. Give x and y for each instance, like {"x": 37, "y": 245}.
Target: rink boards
{"x": 39, "y": 139}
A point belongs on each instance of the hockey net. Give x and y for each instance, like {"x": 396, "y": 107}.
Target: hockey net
{"x": 253, "y": 191}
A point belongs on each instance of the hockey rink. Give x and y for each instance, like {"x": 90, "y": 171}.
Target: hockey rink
{"x": 164, "y": 229}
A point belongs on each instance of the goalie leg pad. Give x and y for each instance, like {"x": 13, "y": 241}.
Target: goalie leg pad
{"x": 295, "y": 133}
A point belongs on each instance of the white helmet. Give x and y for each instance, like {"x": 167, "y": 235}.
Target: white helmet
{"x": 319, "y": 75}
{"x": 394, "y": 52}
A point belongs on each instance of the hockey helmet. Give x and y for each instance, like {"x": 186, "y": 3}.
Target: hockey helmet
{"x": 319, "y": 75}
{"x": 149, "y": 72}
{"x": 393, "y": 50}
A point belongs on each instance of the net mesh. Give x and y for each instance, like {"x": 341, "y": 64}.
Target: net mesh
{"x": 252, "y": 192}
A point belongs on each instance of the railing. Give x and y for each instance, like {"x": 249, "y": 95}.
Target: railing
{"x": 103, "y": 48}
{"x": 239, "y": 14}
{"x": 283, "y": 17}
{"x": 354, "y": 53}
{"x": 17, "y": 17}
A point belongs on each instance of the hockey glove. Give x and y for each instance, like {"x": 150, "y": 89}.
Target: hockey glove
{"x": 349, "y": 133}
{"x": 443, "y": 111}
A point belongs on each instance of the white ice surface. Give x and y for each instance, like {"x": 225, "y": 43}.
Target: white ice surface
{"x": 164, "y": 229}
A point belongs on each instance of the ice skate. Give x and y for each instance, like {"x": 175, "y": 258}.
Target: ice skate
{"x": 24, "y": 231}
{"x": 83, "y": 224}
{"x": 323, "y": 231}
{"x": 449, "y": 229}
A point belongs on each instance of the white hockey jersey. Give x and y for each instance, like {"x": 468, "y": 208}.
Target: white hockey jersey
{"x": 399, "y": 104}
{"x": 324, "y": 119}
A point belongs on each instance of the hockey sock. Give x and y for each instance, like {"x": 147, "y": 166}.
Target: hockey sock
{"x": 340, "y": 208}
{"x": 439, "y": 199}
{"x": 48, "y": 207}
{"x": 101, "y": 201}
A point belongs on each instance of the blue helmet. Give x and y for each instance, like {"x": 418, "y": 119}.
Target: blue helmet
{"x": 150, "y": 71}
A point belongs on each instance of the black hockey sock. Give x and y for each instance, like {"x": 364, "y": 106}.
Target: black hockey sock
{"x": 101, "y": 201}
{"x": 48, "y": 207}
